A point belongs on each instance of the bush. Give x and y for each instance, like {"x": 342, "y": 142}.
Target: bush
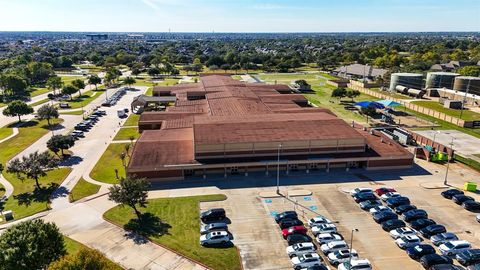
{"x": 88, "y": 259}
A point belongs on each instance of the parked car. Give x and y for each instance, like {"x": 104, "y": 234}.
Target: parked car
{"x": 432, "y": 230}
{"x": 213, "y": 214}
{"x": 287, "y": 223}
{"x": 324, "y": 228}
{"x": 471, "y": 206}
{"x": 468, "y": 257}
{"x": 367, "y": 205}
{"x": 404, "y": 208}
{"x": 421, "y": 223}
{"x": 214, "y": 238}
{"x": 294, "y": 230}
{"x": 389, "y": 195}
{"x": 306, "y": 260}
{"x": 324, "y": 238}
{"x": 414, "y": 215}
{"x": 474, "y": 267}
{"x": 433, "y": 259}
{"x": 397, "y": 201}
{"x": 445, "y": 267}
{"x": 392, "y": 224}
{"x": 405, "y": 242}
{"x": 377, "y": 209}
{"x": 441, "y": 238}
{"x": 453, "y": 247}
{"x": 341, "y": 256}
{"x": 401, "y": 232}
{"x": 418, "y": 251}
{"x": 317, "y": 267}
{"x": 220, "y": 226}
{"x": 359, "y": 264}
{"x": 300, "y": 248}
{"x": 318, "y": 220}
{"x": 298, "y": 238}
{"x": 384, "y": 190}
{"x": 461, "y": 198}
{"x": 384, "y": 216}
{"x": 364, "y": 196}
{"x": 77, "y": 134}
{"x": 286, "y": 214}
{"x": 360, "y": 190}
{"x": 449, "y": 193}
{"x": 333, "y": 246}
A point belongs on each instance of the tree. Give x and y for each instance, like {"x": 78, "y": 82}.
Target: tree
{"x": 17, "y": 108}
{"x": 369, "y": 110}
{"x": 79, "y": 84}
{"x": 131, "y": 192}
{"x": 14, "y": 85}
{"x": 469, "y": 71}
{"x": 339, "y": 93}
{"x": 39, "y": 72}
{"x": 47, "y": 112}
{"x": 54, "y": 83}
{"x": 84, "y": 259}
{"x": 29, "y": 245}
{"x": 153, "y": 72}
{"x": 129, "y": 81}
{"x": 33, "y": 166}
{"x": 69, "y": 90}
{"x": 60, "y": 142}
{"x": 95, "y": 80}
{"x": 352, "y": 94}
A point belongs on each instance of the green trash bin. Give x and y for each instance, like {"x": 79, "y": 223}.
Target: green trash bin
{"x": 470, "y": 186}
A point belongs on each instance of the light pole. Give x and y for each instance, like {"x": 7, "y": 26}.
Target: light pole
{"x": 434, "y": 136}
{"x": 445, "y": 181}
{"x": 278, "y": 168}
{"x": 351, "y": 247}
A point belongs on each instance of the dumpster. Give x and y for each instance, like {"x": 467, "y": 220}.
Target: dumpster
{"x": 470, "y": 186}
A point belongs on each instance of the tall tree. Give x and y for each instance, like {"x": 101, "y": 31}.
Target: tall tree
{"x": 17, "y": 108}
{"x": 69, "y": 90}
{"x": 131, "y": 191}
{"x": 33, "y": 166}
{"x": 80, "y": 84}
{"x": 60, "y": 143}
{"x": 95, "y": 80}
{"x": 339, "y": 93}
{"x": 54, "y": 83}
{"x": 31, "y": 245}
{"x": 84, "y": 259}
{"x": 47, "y": 112}
{"x": 129, "y": 81}
{"x": 14, "y": 85}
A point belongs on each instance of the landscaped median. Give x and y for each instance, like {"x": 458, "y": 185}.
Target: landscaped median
{"x": 179, "y": 229}
{"x": 126, "y": 133}
{"x": 83, "y": 189}
{"x": 104, "y": 170}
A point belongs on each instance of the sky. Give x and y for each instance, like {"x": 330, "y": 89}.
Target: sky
{"x": 240, "y": 15}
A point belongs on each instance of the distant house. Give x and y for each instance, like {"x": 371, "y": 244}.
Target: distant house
{"x": 95, "y": 37}
{"x": 450, "y": 66}
{"x": 359, "y": 71}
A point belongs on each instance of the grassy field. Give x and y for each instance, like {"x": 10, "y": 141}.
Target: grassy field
{"x": 467, "y": 114}
{"x": 39, "y": 91}
{"x": 2, "y": 190}
{"x": 104, "y": 170}
{"x": 83, "y": 189}
{"x": 315, "y": 79}
{"x": 40, "y": 102}
{"x": 67, "y": 80}
{"x": 392, "y": 94}
{"x": 79, "y": 112}
{"x": 126, "y": 133}
{"x": 5, "y": 132}
{"x": 179, "y": 229}
{"x": 132, "y": 120}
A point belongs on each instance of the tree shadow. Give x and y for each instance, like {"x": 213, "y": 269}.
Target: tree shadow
{"x": 27, "y": 124}
{"x": 148, "y": 226}
{"x": 53, "y": 126}
{"x": 41, "y": 194}
{"x": 70, "y": 160}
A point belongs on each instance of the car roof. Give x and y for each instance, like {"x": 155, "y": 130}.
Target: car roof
{"x": 305, "y": 244}
{"x": 314, "y": 255}
{"x": 360, "y": 262}
{"x": 459, "y": 242}
{"x": 219, "y": 233}
{"x": 339, "y": 242}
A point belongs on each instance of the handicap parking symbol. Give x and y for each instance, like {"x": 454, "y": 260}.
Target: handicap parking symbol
{"x": 268, "y": 201}
{"x": 313, "y": 207}
{"x": 307, "y": 198}
{"x": 273, "y": 213}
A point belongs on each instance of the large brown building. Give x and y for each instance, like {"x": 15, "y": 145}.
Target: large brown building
{"x": 221, "y": 125}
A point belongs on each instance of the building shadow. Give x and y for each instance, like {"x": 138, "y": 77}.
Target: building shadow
{"x": 148, "y": 226}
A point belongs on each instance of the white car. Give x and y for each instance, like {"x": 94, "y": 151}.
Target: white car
{"x": 378, "y": 209}
{"x": 300, "y": 248}
{"x": 306, "y": 260}
{"x": 324, "y": 228}
{"x": 318, "y": 220}
{"x": 333, "y": 246}
{"x": 324, "y": 238}
{"x": 220, "y": 226}
{"x": 359, "y": 264}
{"x": 360, "y": 190}
{"x": 454, "y": 247}
{"x": 401, "y": 232}
{"x": 408, "y": 241}
{"x": 341, "y": 256}
{"x": 389, "y": 195}
{"x": 218, "y": 237}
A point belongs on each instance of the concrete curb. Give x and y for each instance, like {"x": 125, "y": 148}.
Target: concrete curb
{"x": 434, "y": 186}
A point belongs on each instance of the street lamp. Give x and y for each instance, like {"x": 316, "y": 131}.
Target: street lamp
{"x": 434, "y": 136}
{"x": 351, "y": 247}
{"x": 445, "y": 181}
{"x": 278, "y": 168}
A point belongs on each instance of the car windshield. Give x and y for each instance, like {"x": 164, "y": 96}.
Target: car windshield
{"x": 418, "y": 248}
{"x": 449, "y": 245}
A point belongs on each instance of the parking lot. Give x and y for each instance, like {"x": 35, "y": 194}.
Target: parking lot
{"x": 259, "y": 238}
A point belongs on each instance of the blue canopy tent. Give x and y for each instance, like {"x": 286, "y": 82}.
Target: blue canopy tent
{"x": 388, "y": 103}
{"x": 367, "y": 103}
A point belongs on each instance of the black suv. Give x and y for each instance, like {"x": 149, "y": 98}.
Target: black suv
{"x": 397, "y": 201}
{"x": 434, "y": 259}
{"x": 468, "y": 257}
{"x": 471, "y": 206}
{"x": 432, "y": 230}
{"x": 213, "y": 214}
{"x": 419, "y": 251}
{"x": 404, "y": 208}
{"x": 448, "y": 194}
{"x": 286, "y": 214}
{"x": 414, "y": 215}
{"x": 421, "y": 223}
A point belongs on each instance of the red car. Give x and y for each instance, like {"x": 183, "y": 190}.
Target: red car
{"x": 294, "y": 230}
{"x": 384, "y": 190}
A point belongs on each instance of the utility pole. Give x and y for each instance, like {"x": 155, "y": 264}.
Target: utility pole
{"x": 445, "y": 181}
{"x": 465, "y": 98}
{"x": 351, "y": 247}
{"x": 278, "y": 169}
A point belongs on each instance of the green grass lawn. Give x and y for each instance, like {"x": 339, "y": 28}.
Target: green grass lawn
{"x": 5, "y": 132}
{"x": 79, "y": 112}
{"x": 83, "y": 189}
{"x": 467, "y": 114}
{"x": 67, "y": 80}
{"x": 40, "y": 102}
{"x": 132, "y": 120}
{"x": 314, "y": 79}
{"x": 2, "y": 190}
{"x": 125, "y": 134}
{"x": 83, "y": 100}
{"x": 181, "y": 229}
{"x": 39, "y": 91}
{"x": 104, "y": 170}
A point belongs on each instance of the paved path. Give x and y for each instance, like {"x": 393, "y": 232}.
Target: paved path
{"x": 15, "y": 132}
{"x": 8, "y": 187}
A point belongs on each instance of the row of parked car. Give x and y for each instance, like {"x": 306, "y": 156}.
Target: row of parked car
{"x": 303, "y": 252}
{"x": 87, "y": 124}
{"x": 409, "y": 237}
{"x": 112, "y": 100}
{"x": 459, "y": 197}
{"x": 214, "y": 228}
